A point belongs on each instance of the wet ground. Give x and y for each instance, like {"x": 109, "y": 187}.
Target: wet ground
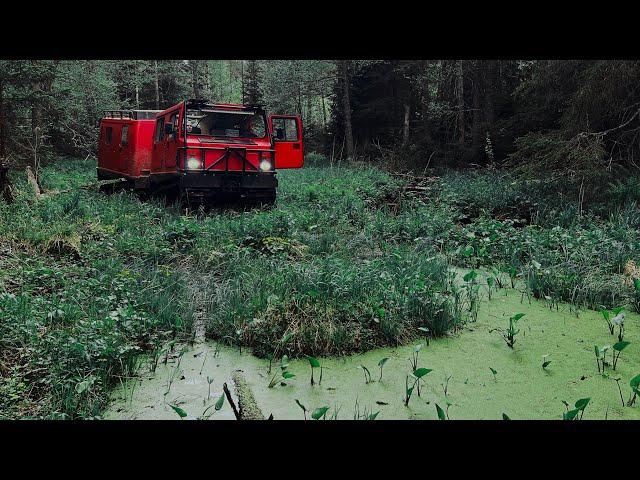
{"x": 520, "y": 388}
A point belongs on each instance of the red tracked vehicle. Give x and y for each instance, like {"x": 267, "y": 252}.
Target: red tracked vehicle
{"x": 202, "y": 151}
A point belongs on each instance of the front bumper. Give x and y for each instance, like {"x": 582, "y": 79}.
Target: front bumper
{"x": 242, "y": 185}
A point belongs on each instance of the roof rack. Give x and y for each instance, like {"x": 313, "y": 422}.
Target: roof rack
{"x": 131, "y": 114}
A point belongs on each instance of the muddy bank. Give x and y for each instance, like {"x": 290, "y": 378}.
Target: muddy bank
{"x": 461, "y": 364}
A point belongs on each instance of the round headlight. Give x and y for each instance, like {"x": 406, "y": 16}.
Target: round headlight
{"x": 193, "y": 163}
{"x": 265, "y": 165}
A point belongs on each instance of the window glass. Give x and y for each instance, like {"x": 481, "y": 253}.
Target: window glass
{"x": 291, "y": 129}
{"x": 159, "y": 129}
{"x": 174, "y": 121}
{"x": 108, "y": 135}
{"x": 285, "y": 129}
{"x": 124, "y": 138}
{"x": 278, "y": 128}
{"x": 228, "y": 125}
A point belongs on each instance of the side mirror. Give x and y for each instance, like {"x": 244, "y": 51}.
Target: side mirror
{"x": 168, "y": 128}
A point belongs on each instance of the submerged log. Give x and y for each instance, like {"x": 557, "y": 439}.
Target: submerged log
{"x": 248, "y": 407}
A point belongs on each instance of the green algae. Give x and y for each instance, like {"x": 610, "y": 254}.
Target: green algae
{"x": 521, "y": 388}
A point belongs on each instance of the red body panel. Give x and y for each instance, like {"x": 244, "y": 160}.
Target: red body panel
{"x": 150, "y": 152}
{"x": 132, "y": 158}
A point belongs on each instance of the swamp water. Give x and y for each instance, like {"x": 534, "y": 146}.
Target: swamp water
{"x": 521, "y": 388}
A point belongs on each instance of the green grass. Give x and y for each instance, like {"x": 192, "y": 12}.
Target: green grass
{"x": 346, "y": 261}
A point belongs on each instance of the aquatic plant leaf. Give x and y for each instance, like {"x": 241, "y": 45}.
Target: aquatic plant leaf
{"x": 505, "y": 416}
{"x": 570, "y": 415}
{"x": 618, "y": 347}
{"x": 383, "y": 361}
{"x": 493, "y": 371}
{"x": 518, "y": 316}
{"x": 618, "y": 319}
{"x": 441, "y": 414}
{"x": 284, "y": 362}
{"x": 313, "y": 362}
{"x": 582, "y": 403}
{"x": 219, "y": 402}
{"x": 287, "y": 375}
{"x": 319, "y": 412}
{"x": 373, "y": 416}
{"x": 470, "y": 276}
{"x": 546, "y": 363}
{"x": 418, "y": 347}
{"x": 179, "y": 411}
{"x": 635, "y": 382}
{"x": 421, "y": 372}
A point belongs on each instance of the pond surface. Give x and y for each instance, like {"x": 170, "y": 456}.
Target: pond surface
{"x": 521, "y": 388}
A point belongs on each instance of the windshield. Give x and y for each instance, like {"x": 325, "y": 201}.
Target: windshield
{"x": 242, "y": 124}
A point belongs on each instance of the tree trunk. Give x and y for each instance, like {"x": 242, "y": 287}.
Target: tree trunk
{"x": 489, "y": 89}
{"x": 460, "y": 95}
{"x": 157, "y": 86}
{"x": 346, "y": 107}
{"x": 2, "y": 134}
{"x": 476, "y": 129}
{"x": 324, "y": 115}
{"x": 194, "y": 73}
{"x": 405, "y": 126}
{"x": 424, "y": 103}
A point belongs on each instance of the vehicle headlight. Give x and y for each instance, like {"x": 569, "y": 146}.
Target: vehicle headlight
{"x": 265, "y": 165}
{"x": 193, "y": 163}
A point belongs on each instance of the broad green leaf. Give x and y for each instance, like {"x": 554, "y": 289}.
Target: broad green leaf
{"x": 318, "y": 413}
{"x": 383, "y": 361}
{"x": 179, "y": 411}
{"x": 617, "y": 310}
{"x": 421, "y": 372}
{"x": 582, "y": 403}
{"x": 618, "y": 347}
{"x": 373, "y": 416}
{"x": 220, "y": 402}
{"x": 287, "y": 375}
{"x": 313, "y": 362}
{"x": 518, "y": 316}
{"x": 284, "y": 362}
{"x": 505, "y": 416}
{"x": 441, "y": 414}
{"x": 636, "y": 283}
{"x": 635, "y": 382}
{"x": 546, "y": 363}
{"x": 570, "y": 415}
{"x": 470, "y": 276}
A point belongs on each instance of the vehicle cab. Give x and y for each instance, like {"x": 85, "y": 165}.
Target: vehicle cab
{"x": 225, "y": 148}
